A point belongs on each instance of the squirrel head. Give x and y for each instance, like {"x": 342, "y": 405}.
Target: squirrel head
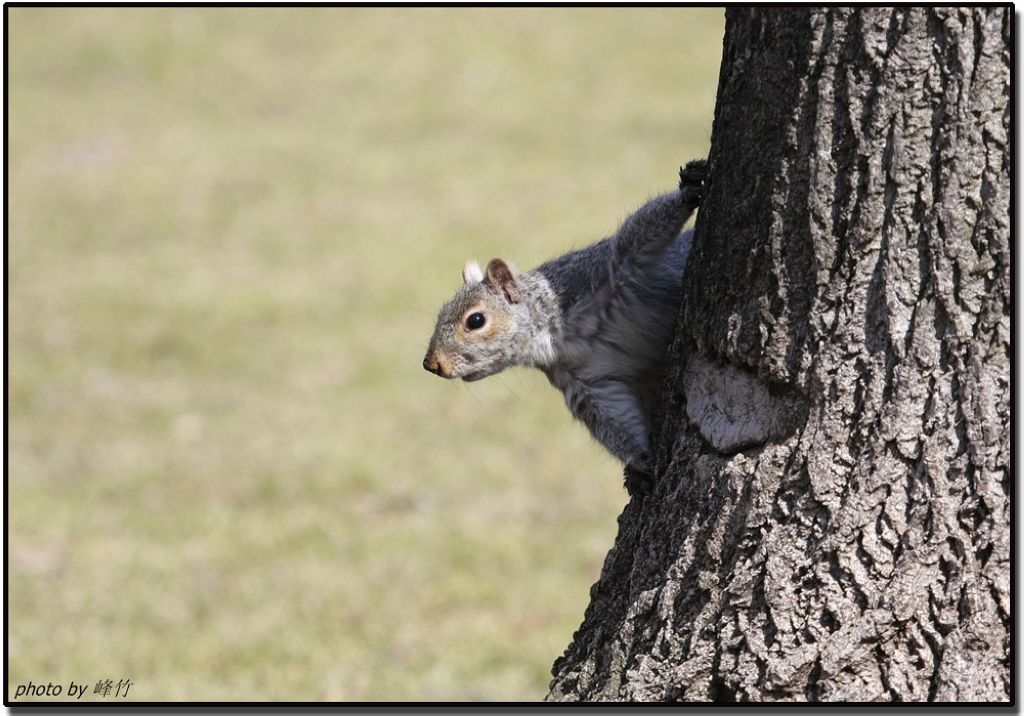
{"x": 479, "y": 330}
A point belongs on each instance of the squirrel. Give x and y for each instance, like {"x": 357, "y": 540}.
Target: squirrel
{"x": 596, "y": 321}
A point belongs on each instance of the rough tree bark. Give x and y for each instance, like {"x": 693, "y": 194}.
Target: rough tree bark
{"x": 831, "y": 519}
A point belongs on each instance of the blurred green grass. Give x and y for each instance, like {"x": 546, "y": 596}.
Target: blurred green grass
{"x": 229, "y": 231}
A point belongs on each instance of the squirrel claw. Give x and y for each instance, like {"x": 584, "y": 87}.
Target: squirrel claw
{"x": 691, "y": 180}
{"x": 638, "y": 480}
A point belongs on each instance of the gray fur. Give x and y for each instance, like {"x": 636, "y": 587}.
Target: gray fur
{"x": 596, "y": 321}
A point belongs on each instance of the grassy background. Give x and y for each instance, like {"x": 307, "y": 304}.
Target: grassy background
{"x": 229, "y": 231}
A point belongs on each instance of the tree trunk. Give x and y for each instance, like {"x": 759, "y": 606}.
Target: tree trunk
{"x": 831, "y": 518}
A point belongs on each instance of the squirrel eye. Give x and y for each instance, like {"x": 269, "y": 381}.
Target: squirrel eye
{"x": 475, "y": 321}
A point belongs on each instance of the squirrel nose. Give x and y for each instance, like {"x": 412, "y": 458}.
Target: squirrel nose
{"x": 433, "y": 366}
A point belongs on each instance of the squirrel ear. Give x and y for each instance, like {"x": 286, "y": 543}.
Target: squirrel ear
{"x": 499, "y": 276}
{"x": 471, "y": 273}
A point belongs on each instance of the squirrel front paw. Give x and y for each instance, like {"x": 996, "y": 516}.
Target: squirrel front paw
{"x": 691, "y": 181}
{"x": 638, "y": 476}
